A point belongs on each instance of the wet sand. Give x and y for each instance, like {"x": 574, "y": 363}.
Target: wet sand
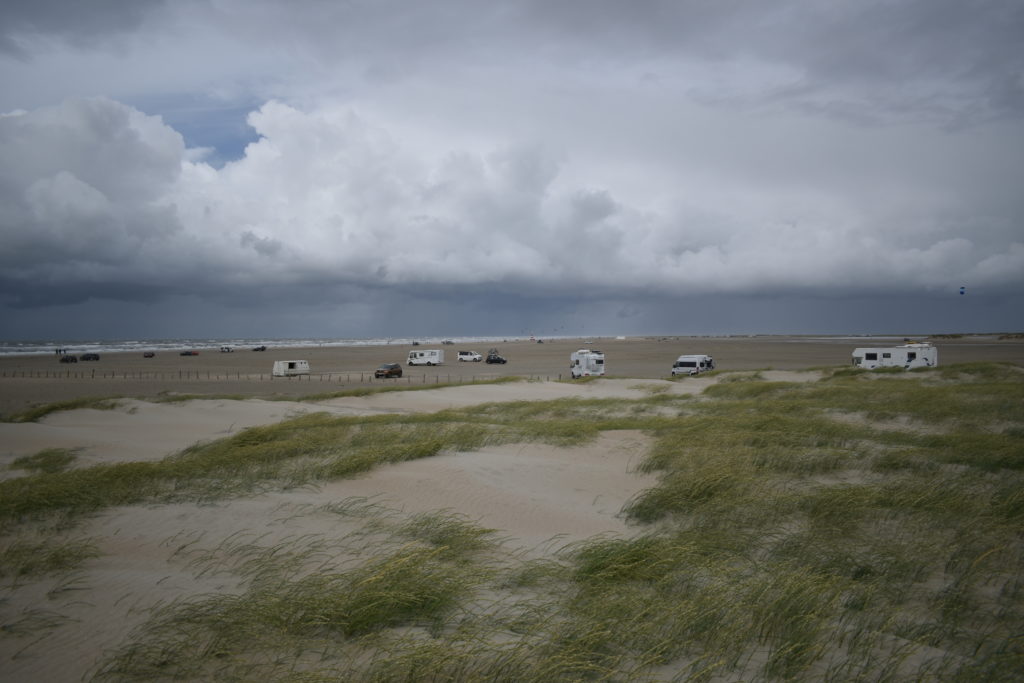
{"x": 26, "y": 381}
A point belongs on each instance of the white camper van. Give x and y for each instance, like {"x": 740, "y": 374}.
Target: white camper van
{"x": 584, "y": 363}
{"x": 693, "y": 364}
{"x": 426, "y": 357}
{"x": 922, "y": 355}
{"x": 290, "y": 368}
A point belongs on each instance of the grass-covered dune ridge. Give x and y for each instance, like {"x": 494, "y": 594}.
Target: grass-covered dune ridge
{"x": 864, "y": 526}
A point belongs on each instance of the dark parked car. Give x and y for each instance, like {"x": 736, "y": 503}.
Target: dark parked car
{"x": 68, "y": 359}
{"x": 388, "y": 370}
{"x": 148, "y": 354}
{"x": 189, "y": 353}
{"x": 493, "y": 357}
{"x": 260, "y": 348}
{"x": 90, "y": 356}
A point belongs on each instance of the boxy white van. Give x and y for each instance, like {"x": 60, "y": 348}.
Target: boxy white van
{"x": 693, "y": 364}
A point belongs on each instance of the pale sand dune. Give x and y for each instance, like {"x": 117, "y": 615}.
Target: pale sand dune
{"x": 536, "y": 497}
{"x": 141, "y": 431}
{"x": 530, "y": 493}
{"x": 137, "y": 430}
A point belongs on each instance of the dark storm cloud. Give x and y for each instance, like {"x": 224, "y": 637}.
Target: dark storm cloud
{"x": 948, "y": 61}
{"x": 445, "y": 160}
{"x": 83, "y": 24}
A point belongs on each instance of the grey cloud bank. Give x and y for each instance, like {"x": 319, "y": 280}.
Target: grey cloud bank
{"x": 512, "y": 168}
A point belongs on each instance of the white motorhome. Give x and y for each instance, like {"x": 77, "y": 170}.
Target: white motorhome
{"x": 917, "y": 355}
{"x": 290, "y": 368}
{"x": 426, "y": 357}
{"x": 584, "y": 363}
{"x": 693, "y": 364}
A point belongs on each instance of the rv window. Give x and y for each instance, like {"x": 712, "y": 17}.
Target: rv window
{"x": 912, "y": 355}
{"x": 291, "y": 366}
{"x": 886, "y": 355}
{"x": 871, "y": 356}
{"x": 600, "y": 361}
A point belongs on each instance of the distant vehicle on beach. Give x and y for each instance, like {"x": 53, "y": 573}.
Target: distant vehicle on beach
{"x": 226, "y": 349}
{"x": 586, "y": 363}
{"x": 189, "y": 353}
{"x": 290, "y": 368}
{"x": 913, "y": 355}
{"x": 68, "y": 359}
{"x": 693, "y": 364}
{"x": 90, "y": 356}
{"x": 388, "y": 370}
{"x": 260, "y": 348}
{"x": 493, "y": 357}
{"x": 148, "y": 354}
{"x": 428, "y": 357}
{"x": 471, "y": 356}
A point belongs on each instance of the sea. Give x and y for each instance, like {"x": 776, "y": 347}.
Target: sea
{"x": 42, "y": 346}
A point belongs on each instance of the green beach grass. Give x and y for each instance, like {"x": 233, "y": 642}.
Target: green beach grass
{"x": 867, "y": 526}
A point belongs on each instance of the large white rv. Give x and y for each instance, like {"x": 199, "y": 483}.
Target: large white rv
{"x": 426, "y": 357}
{"x": 290, "y": 368}
{"x": 917, "y": 355}
{"x": 584, "y": 363}
{"x": 693, "y": 364}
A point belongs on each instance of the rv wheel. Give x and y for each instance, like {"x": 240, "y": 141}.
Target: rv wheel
{"x": 429, "y": 363}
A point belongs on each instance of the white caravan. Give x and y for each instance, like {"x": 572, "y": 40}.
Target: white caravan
{"x": 584, "y": 363}
{"x": 426, "y": 357}
{"x": 290, "y": 368}
{"x": 908, "y": 356}
{"x": 693, "y": 364}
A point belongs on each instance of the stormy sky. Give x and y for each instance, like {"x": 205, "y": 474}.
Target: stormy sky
{"x": 456, "y": 167}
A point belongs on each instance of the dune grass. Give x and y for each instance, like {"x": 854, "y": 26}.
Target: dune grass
{"x": 37, "y": 413}
{"x": 23, "y": 557}
{"x": 48, "y": 460}
{"x": 863, "y": 527}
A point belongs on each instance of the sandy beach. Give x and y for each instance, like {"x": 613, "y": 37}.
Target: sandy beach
{"x": 534, "y": 495}
{"x": 31, "y": 380}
